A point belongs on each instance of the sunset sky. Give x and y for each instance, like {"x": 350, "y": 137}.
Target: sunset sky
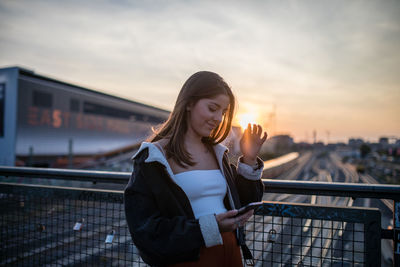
{"x": 328, "y": 66}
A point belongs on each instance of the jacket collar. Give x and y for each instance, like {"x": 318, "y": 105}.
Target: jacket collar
{"x": 155, "y": 155}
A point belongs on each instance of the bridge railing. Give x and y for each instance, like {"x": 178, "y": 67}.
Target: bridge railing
{"x": 47, "y": 224}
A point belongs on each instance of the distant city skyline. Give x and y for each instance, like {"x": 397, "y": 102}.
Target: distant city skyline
{"x": 295, "y": 66}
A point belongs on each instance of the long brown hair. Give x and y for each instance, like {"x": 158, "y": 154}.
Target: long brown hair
{"x": 202, "y": 84}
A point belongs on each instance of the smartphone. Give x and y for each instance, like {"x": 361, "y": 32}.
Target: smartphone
{"x": 250, "y": 206}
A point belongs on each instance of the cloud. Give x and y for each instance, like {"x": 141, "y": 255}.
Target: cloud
{"x": 310, "y": 55}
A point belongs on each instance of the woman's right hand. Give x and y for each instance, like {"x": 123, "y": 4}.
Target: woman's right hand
{"x": 227, "y": 222}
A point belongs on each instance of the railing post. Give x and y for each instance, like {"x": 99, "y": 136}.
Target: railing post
{"x": 396, "y": 230}
{"x": 372, "y": 239}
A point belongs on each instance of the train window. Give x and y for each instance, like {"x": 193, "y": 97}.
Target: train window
{"x": 97, "y": 109}
{"x": 92, "y": 108}
{"x": 74, "y": 105}
{"x": 2, "y": 107}
{"x": 42, "y": 99}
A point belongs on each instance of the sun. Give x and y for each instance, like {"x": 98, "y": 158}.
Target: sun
{"x": 245, "y": 118}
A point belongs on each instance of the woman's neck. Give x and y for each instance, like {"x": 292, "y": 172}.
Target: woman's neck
{"x": 193, "y": 140}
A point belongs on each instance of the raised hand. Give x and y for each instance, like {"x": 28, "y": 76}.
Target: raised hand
{"x": 251, "y": 142}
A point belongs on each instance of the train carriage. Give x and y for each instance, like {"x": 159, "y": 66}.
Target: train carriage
{"x": 46, "y": 118}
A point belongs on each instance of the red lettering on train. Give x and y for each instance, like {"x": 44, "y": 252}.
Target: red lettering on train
{"x": 66, "y": 116}
{"x": 118, "y": 126}
{"x": 95, "y": 123}
{"x": 79, "y": 121}
{"x": 33, "y": 116}
{"x": 57, "y": 121}
{"x": 61, "y": 119}
{"x": 45, "y": 118}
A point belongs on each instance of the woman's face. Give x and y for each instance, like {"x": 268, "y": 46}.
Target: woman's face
{"x": 206, "y": 114}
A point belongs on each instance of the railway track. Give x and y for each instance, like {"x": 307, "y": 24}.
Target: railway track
{"x": 317, "y": 237}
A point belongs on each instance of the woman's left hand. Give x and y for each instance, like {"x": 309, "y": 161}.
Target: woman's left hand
{"x": 251, "y": 142}
{"x": 228, "y": 221}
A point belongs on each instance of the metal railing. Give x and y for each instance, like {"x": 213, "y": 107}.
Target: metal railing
{"x": 287, "y": 234}
{"x": 58, "y": 226}
{"x": 72, "y": 226}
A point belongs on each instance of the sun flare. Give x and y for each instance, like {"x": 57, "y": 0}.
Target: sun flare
{"x": 246, "y": 118}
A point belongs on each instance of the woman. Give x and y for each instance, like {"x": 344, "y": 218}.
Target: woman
{"x": 182, "y": 199}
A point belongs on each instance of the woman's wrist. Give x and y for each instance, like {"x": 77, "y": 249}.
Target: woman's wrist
{"x": 249, "y": 161}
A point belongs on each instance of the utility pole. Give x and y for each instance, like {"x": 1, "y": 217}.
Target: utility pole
{"x": 315, "y": 136}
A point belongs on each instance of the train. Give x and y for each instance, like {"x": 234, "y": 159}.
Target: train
{"x": 41, "y": 117}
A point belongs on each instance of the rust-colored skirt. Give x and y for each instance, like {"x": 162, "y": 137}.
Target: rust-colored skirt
{"x": 227, "y": 254}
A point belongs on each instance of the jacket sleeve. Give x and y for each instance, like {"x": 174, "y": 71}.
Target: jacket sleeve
{"x": 163, "y": 239}
{"x": 248, "y": 181}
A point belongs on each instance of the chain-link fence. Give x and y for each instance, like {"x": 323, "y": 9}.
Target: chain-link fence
{"x": 48, "y": 225}
{"x": 287, "y": 234}
{"x": 64, "y": 227}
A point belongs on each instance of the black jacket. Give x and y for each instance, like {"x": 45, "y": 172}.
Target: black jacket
{"x": 158, "y": 212}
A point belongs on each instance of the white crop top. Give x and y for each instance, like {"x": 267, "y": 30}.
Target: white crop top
{"x": 205, "y": 189}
